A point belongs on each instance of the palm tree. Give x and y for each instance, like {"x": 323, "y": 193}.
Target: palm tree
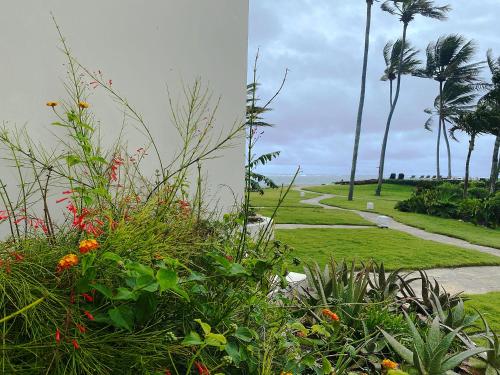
{"x": 407, "y": 10}
{"x": 409, "y": 65}
{"x": 473, "y": 123}
{"x": 357, "y": 135}
{"x": 493, "y": 99}
{"x": 448, "y": 59}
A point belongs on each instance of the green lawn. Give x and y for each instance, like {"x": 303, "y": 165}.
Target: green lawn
{"x": 489, "y": 305}
{"x": 299, "y": 215}
{"x": 395, "y": 249}
{"x": 391, "y": 194}
{"x": 271, "y": 196}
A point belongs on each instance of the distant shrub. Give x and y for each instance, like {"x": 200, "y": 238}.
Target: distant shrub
{"x": 446, "y": 200}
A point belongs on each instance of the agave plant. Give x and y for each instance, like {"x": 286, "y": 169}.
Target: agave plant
{"x": 454, "y": 317}
{"x": 492, "y": 356}
{"x": 424, "y": 301}
{"x": 430, "y": 354}
{"x": 338, "y": 286}
{"x": 384, "y": 286}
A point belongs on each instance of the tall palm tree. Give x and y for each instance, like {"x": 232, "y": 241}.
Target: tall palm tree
{"x": 357, "y": 135}
{"x": 493, "y": 99}
{"x": 473, "y": 123}
{"x": 409, "y": 65}
{"x": 448, "y": 59}
{"x": 407, "y": 10}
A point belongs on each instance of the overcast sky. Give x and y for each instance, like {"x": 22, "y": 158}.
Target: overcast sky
{"x": 321, "y": 43}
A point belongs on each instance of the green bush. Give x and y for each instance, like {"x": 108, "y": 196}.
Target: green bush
{"x": 446, "y": 200}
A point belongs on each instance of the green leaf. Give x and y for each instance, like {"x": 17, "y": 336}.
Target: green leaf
{"x": 99, "y": 159}
{"x": 112, "y": 256}
{"x": 103, "y": 290}
{"x": 215, "y": 339}
{"x": 73, "y": 160}
{"x": 124, "y": 294}
{"x": 244, "y": 334}
{"x": 457, "y": 359}
{"x": 167, "y": 279}
{"x": 87, "y": 261}
{"x": 327, "y": 367}
{"x": 140, "y": 269}
{"x": 145, "y": 307}
{"x": 61, "y": 124}
{"x": 204, "y": 326}
{"x": 192, "y": 339}
{"x": 237, "y": 269}
{"x": 405, "y": 353}
{"x": 122, "y": 317}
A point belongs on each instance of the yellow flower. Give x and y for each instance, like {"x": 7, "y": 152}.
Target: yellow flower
{"x": 389, "y": 365}
{"x": 67, "y": 262}
{"x": 285, "y": 373}
{"x": 52, "y": 104}
{"x": 83, "y": 105}
{"x": 88, "y": 245}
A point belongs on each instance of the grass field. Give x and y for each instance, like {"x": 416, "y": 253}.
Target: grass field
{"x": 271, "y": 196}
{"x": 395, "y": 249}
{"x": 489, "y": 305}
{"x": 317, "y": 216}
{"x": 391, "y": 194}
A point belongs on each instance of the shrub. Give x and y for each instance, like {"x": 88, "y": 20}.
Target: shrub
{"x": 446, "y": 200}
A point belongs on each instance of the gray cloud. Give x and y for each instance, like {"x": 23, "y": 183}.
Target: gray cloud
{"x": 321, "y": 42}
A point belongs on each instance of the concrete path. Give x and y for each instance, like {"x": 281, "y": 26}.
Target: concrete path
{"x": 470, "y": 280}
{"x": 393, "y": 224}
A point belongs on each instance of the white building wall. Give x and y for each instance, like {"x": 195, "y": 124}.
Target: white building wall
{"x": 143, "y": 46}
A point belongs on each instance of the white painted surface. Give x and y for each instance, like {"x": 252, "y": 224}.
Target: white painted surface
{"x": 143, "y": 46}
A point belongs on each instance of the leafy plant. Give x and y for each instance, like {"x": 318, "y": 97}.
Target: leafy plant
{"x": 429, "y": 354}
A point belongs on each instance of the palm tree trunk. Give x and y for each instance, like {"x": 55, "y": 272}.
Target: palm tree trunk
{"x": 467, "y": 164}
{"x": 391, "y": 113}
{"x": 445, "y": 135}
{"x": 390, "y": 93}
{"x": 495, "y": 166}
{"x": 438, "y": 169}
{"x": 359, "y": 119}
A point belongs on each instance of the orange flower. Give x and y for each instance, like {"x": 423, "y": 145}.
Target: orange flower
{"x": 67, "y": 262}
{"x": 389, "y": 365}
{"x": 83, "y": 105}
{"x": 52, "y": 104}
{"x": 88, "y": 245}
{"x": 330, "y": 315}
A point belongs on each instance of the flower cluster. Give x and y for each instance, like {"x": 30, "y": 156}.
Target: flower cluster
{"x": 88, "y": 245}
{"x": 330, "y": 315}
{"x": 67, "y": 262}
{"x": 115, "y": 165}
{"x": 389, "y": 365}
{"x": 84, "y": 222}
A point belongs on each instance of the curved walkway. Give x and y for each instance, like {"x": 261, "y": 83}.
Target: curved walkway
{"x": 470, "y": 280}
{"x": 393, "y": 224}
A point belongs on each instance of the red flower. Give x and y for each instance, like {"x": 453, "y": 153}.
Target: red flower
{"x": 87, "y": 297}
{"x": 229, "y": 258}
{"x": 18, "y": 256}
{"x": 58, "y": 336}
{"x": 89, "y": 315}
{"x": 202, "y": 369}
{"x": 75, "y": 344}
{"x": 61, "y": 200}
{"x": 167, "y": 372}
{"x": 81, "y": 328}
